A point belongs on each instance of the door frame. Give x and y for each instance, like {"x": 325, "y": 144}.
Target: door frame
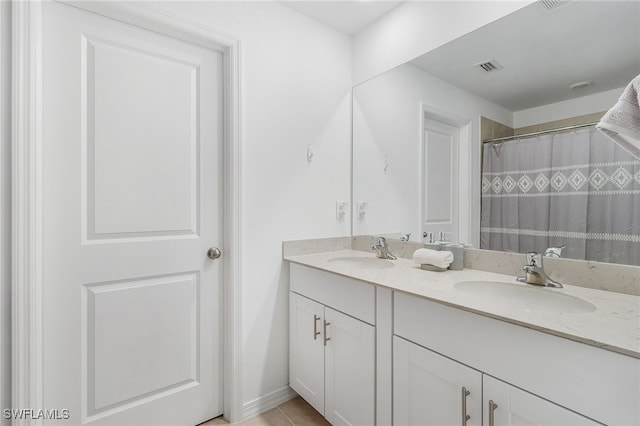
{"x": 27, "y": 191}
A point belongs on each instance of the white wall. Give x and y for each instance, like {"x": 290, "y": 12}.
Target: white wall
{"x": 417, "y": 27}
{"x": 5, "y": 208}
{"x": 597, "y": 102}
{"x": 295, "y": 89}
{"x": 387, "y": 122}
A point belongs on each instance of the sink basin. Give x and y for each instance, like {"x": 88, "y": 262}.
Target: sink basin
{"x": 526, "y": 297}
{"x": 357, "y": 262}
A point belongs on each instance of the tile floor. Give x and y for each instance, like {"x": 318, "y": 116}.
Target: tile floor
{"x": 296, "y": 412}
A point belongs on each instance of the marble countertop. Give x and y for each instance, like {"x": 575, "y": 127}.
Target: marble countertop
{"x": 614, "y": 324}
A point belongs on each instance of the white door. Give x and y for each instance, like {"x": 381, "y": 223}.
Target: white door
{"x": 506, "y": 405}
{"x": 349, "y": 370}
{"x": 306, "y": 349}
{"x": 132, "y": 201}
{"x": 440, "y": 180}
{"x": 429, "y": 389}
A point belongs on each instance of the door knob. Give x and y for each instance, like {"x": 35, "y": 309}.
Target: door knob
{"x": 214, "y": 253}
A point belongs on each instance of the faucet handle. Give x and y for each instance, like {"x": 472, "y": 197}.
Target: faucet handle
{"x": 534, "y": 259}
{"x": 381, "y": 242}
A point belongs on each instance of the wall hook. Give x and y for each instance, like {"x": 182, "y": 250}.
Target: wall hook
{"x": 309, "y": 153}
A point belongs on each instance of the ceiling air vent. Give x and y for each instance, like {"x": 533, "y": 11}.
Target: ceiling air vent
{"x": 489, "y": 65}
{"x": 553, "y": 4}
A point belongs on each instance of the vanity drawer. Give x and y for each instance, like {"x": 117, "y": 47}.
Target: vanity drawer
{"x": 352, "y": 297}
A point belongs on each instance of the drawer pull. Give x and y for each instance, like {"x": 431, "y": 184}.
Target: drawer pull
{"x": 465, "y": 416}
{"x": 315, "y": 327}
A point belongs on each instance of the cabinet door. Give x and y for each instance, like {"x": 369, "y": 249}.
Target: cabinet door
{"x": 349, "y": 370}
{"x": 306, "y": 350}
{"x": 429, "y": 389}
{"x": 507, "y": 405}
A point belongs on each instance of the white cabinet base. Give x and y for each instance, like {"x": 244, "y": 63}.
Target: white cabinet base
{"x": 600, "y": 384}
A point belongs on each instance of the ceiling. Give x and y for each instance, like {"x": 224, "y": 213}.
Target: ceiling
{"x": 346, "y": 16}
{"x": 544, "y": 52}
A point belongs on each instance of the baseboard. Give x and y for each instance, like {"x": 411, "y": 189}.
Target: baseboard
{"x": 267, "y": 402}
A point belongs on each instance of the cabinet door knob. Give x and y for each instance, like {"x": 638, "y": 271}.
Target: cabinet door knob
{"x": 214, "y": 253}
{"x": 465, "y": 416}
{"x": 492, "y": 407}
{"x": 326, "y": 339}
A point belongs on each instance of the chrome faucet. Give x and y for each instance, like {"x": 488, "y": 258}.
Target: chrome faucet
{"x": 534, "y": 272}
{"x": 382, "y": 249}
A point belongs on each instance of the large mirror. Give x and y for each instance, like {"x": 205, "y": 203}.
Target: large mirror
{"x": 432, "y": 138}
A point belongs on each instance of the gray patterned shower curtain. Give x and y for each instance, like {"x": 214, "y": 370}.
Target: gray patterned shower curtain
{"x": 578, "y": 189}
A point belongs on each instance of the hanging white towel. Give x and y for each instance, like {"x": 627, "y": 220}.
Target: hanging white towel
{"x": 440, "y": 259}
{"x": 622, "y": 122}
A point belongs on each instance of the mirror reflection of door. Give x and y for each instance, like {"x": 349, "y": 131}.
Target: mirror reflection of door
{"x": 440, "y": 180}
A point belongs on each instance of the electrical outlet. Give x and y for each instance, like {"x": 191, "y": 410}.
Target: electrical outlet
{"x": 361, "y": 208}
{"x": 341, "y": 210}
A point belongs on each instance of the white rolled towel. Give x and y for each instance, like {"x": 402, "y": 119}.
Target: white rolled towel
{"x": 440, "y": 259}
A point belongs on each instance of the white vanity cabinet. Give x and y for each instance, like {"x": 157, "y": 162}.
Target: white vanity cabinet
{"x": 384, "y": 354}
{"x": 431, "y": 390}
{"x": 332, "y": 345}
{"x": 541, "y": 379}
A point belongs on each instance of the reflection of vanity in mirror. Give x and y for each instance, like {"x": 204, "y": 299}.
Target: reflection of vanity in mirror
{"x": 434, "y": 152}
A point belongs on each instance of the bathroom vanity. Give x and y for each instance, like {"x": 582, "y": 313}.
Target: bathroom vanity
{"x": 384, "y": 342}
{"x": 332, "y": 345}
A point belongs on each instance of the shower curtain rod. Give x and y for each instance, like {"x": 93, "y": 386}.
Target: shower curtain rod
{"x": 541, "y": 132}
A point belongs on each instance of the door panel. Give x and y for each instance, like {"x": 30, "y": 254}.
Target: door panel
{"x": 440, "y": 179}
{"x": 349, "y": 370}
{"x": 132, "y": 201}
{"x": 306, "y": 346}
{"x": 129, "y": 92}
{"x": 428, "y": 388}
{"x": 168, "y": 324}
